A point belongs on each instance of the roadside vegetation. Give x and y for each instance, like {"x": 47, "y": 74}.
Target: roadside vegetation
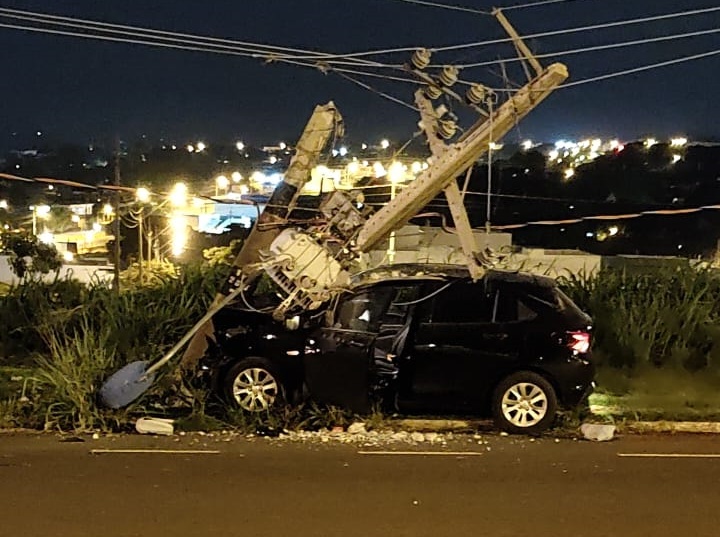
{"x": 656, "y": 340}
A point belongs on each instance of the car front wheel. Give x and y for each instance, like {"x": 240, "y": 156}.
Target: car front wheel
{"x": 253, "y": 385}
{"x": 524, "y": 403}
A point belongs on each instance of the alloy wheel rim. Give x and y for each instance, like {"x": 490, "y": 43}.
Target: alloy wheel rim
{"x": 524, "y": 404}
{"x": 255, "y": 389}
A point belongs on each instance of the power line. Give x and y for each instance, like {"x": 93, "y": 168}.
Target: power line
{"x": 203, "y": 48}
{"x": 609, "y": 217}
{"x": 449, "y": 6}
{"x": 136, "y": 31}
{"x": 622, "y": 44}
{"x": 273, "y": 51}
{"x": 533, "y": 4}
{"x": 550, "y": 33}
{"x": 642, "y": 68}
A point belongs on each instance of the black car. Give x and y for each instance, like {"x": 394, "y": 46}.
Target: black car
{"x": 417, "y": 339}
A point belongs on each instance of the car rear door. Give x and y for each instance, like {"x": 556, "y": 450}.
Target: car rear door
{"x": 458, "y": 348}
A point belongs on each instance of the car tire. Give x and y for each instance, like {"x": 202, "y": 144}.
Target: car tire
{"x": 524, "y": 403}
{"x": 253, "y": 385}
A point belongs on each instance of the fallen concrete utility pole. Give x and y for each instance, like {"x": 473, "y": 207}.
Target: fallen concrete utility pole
{"x": 324, "y": 123}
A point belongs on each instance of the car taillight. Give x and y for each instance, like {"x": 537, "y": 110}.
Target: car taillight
{"x": 579, "y": 341}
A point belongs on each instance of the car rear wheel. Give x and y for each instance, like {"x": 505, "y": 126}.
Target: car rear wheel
{"x": 253, "y": 385}
{"x": 524, "y": 403}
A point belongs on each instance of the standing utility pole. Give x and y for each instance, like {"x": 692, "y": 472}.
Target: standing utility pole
{"x": 116, "y": 279}
{"x": 140, "y": 244}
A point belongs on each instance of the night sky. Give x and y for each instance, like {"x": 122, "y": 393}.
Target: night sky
{"x": 81, "y": 90}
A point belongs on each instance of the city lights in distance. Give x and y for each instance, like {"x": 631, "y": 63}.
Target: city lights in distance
{"x": 527, "y": 145}
{"x": 240, "y": 146}
{"x": 200, "y": 146}
{"x": 678, "y": 142}
{"x": 384, "y": 144}
{"x": 650, "y": 142}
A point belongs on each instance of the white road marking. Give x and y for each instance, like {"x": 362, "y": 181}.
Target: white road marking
{"x": 159, "y": 451}
{"x": 446, "y": 453}
{"x": 671, "y": 455}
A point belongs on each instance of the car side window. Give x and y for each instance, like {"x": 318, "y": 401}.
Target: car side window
{"x": 510, "y": 306}
{"x": 363, "y": 311}
{"x": 464, "y": 302}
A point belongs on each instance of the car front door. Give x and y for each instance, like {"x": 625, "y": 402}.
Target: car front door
{"x": 339, "y": 359}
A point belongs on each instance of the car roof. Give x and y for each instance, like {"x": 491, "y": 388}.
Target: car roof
{"x": 442, "y": 272}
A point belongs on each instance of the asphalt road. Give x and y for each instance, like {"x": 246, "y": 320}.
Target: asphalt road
{"x": 276, "y": 488}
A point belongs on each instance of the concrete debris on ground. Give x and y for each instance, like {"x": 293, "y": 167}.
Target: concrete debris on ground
{"x": 597, "y": 432}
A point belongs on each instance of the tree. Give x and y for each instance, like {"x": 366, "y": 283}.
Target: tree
{"x": 28, "y": 255}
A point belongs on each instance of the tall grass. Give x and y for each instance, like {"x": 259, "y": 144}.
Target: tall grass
{"x": 82, "y": 337}
{"x": 664, "y": 318}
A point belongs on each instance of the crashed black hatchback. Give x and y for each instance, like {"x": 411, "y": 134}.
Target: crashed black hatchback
{"x": 416, "y": 339}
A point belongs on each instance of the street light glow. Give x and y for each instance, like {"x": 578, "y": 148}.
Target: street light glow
{"x": 179, "y": 234}
{"x": 178, "y": 195}
{"x": 142, "y": 194}
{"x": 222, "y": 182}
{"x": 379, "y": 169}
{"x": 240, "y": 146}
{"x": 396, "y": 172}
{"x": 384, "y": 144}
{"x": 41, "y": 210}
{"x": 236, "y": 177}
